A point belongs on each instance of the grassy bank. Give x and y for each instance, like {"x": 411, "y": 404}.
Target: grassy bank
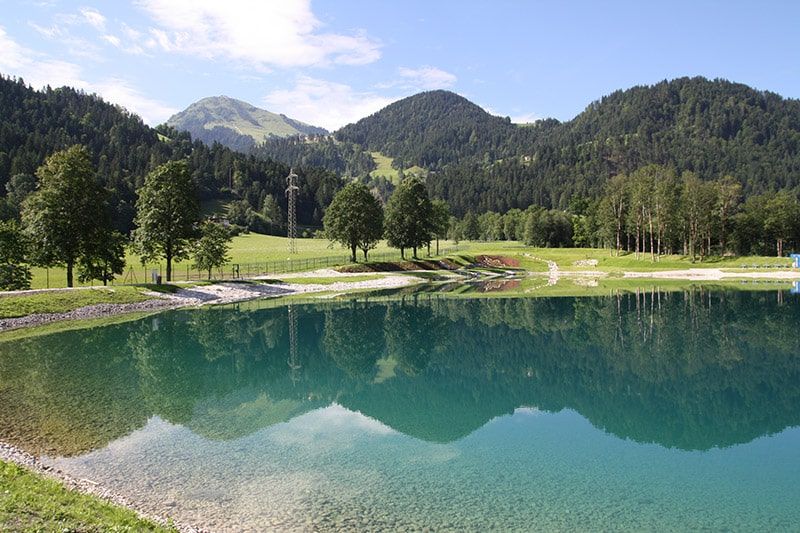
{"x": 251, "y": 249}
{"x": 30, "y": 502}
{"x": 254, "y": 251}
{"x": 16, "y": 305}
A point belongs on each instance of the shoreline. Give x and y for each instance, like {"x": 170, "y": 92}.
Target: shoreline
{"x": 13, "y": 454}
{"x": 226, "y": 292}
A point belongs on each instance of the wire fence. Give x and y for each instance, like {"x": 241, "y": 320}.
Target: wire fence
{"x": 136, "y": 273}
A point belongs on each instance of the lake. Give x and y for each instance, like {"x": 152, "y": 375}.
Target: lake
{"x": 632, "y": 411}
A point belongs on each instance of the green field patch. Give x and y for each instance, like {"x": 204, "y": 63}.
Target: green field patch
{"x": 384, "y": 169}
{"x": 30, "y": 502}
{"x": 17, "y": 305}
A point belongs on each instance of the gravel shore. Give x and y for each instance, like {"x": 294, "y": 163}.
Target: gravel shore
{"x": 217, "y": 293}
{"x": 12, "y": 454}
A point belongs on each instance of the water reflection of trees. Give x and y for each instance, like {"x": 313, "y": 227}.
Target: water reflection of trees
{"x": 689, "y": 369}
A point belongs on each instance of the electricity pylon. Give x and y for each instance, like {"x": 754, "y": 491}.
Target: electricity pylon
{"x": 291, "y": 223}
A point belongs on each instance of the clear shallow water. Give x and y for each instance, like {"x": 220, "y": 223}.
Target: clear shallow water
{"x": 667, "y": 411}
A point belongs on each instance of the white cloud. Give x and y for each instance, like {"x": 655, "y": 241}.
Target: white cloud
{"x": 94, "y": 18}
{"x": 427, "y": 78}
{"x": 324, "y": 103}
{"x": 119, "y": 91}
{"x": 420, "y": 79}
{"x": 39, "y": 70}
{"x": 525, "y": 118}
{"x": 12, "y": 55}
{"x": 263, "y": 34}
{"x": 113, "y": 40}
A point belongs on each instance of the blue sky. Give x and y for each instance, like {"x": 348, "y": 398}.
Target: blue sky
{"x": 330, "y": 62}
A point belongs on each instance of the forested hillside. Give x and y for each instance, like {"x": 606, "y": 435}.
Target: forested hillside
{"x": 481, "y": 162}
{"x": 323, "y": 151}
{"x": 37, "y": 123}
{"x": 713, "y": 128}
{"x": 432, "y": 129}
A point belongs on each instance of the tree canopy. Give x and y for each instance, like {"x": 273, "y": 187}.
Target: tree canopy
{"x": 409, "y": 216}
{"x": 66, "y": 218}
{"x": 167, "y": 213}
{"x": 355, "y": 219}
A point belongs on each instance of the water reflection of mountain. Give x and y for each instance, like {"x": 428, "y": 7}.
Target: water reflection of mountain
{"x": 688, "y": 370}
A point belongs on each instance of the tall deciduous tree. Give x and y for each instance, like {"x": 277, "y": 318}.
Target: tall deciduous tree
{"x": 63, "y": 217}
{"x": 616, "y": 207}
{"x": 354, "y": 219}
{"x": 409, "y": 216}
{"x": 14, "y": 273}
{"x": 211, "y": 249}
{"x": 440, "y": 221}
{"x": 782, "y": 219}
{"x": 105, "y": 257}
{"x": 166, "y": 214}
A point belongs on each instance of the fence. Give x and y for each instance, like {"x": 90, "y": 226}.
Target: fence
{"x": 183, "y": 271}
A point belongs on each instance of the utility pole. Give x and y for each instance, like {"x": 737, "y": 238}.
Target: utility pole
{"x": 291, "y": 223}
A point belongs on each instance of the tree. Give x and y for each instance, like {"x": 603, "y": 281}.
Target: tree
{"x": 470, "y": 230}
{"x": 782, "y": 219}
{"x": 211, "y": 249}
{"x": 166, "y": 214}
{"x": 698, "y": 200}
{"x": 409, "y": 216}
{"x": 14, "y": 274}
{"x": 105, "y": 257}
{"x": 729, "y": 194}
{"x": 440, "y": 221}
{"x": 19, "y": 187}
{"x": 63, "y": 217}
{"x": 616, "y": 206}
{"x": 354, "y": 219}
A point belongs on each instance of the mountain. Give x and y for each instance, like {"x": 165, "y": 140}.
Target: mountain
{"x": 36, "y": 124}
{"x": 236, "y": 124}
{"x": 432, "y": 129}
{"x": 711, "y": 127}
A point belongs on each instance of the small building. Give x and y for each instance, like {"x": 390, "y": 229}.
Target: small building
{"x": 796, "y": 260}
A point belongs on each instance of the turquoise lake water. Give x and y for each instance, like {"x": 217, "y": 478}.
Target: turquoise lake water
{"x": 654, "y": 411}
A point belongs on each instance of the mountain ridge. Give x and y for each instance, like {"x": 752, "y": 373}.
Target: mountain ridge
{"x": 236, "y": 124}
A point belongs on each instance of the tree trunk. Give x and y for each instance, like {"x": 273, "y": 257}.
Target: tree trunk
{"x": 353, "y": 258}
{"x": 169, "y": 267}
{"x": 437, "y": 245}
{"x": 414, "y": 252}
{"x": 70, "y": 264}
{"x": 780, "y": 249}
{"x": 403, "y": 254}
{"x": 209, "y": 274}
{"x": 652, "y": 250}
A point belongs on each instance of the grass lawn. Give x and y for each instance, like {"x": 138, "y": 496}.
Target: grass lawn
{"x": 257, "y": 254}
{"x": 565, "y": 258}
{"x": 29, "y": 502}
{"x": 250, "y": 249}
{"x": 14, "y": 305}
{"x": 384, "y": 168}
